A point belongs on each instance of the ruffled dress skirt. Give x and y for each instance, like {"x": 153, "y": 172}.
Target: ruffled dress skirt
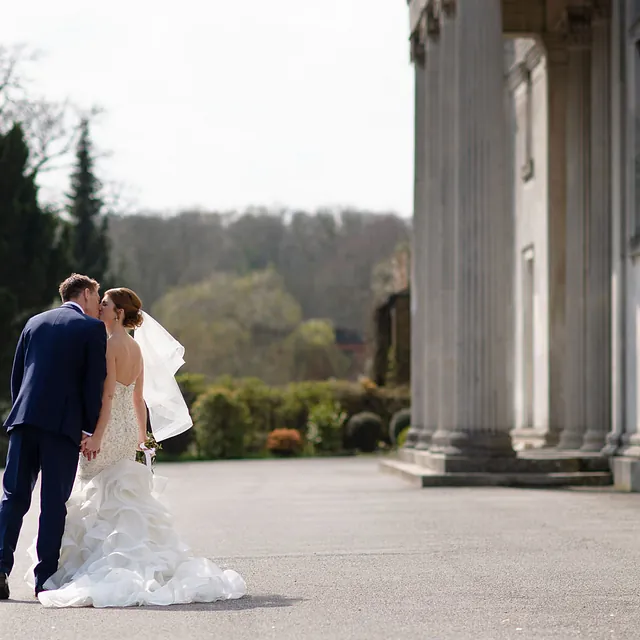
{"x": 120, "y": 549}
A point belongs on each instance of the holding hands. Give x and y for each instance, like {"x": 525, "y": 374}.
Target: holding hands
{"x": 90, "y": 446}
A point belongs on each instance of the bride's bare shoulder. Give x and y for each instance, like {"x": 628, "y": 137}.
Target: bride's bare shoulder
{"x": 133, "y": 344}
{"x": 123, "y": 343}
{"x": 134, "y": 349}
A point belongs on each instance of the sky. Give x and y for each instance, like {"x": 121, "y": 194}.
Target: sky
{"x": 225, "y": 104}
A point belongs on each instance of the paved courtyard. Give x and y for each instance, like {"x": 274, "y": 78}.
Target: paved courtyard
{"x": 334, "y": 549}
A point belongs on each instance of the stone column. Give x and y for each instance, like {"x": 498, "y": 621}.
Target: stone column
{"x": 433, "y": 242}
{"x": 483, "y": 240}
{"x": 619, "y": 301}
{"x": 557, "y": 219}
{"x": 578, "y": 203}
{"x": 417, "y": 253}
{"x": 598, "y": 312}
{"x": 448, "y": 127}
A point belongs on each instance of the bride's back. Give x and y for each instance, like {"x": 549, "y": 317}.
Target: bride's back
{"x": 128, "y": 358}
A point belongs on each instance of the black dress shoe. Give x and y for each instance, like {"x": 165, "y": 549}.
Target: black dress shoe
{"x": 4, "y": 587}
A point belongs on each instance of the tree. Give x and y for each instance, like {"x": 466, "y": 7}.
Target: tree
{"x": 89, "y": 232}
{"x": 233, "y": 324}
{"x": 326, "y": 260}
{"x": 314, "y": 353}
{"x": 50, "y": 128}
{"x": 34, "y": 255}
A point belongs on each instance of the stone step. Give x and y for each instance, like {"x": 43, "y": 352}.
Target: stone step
{"x": 420, "y": 476}
{"x": 530, "y": 461}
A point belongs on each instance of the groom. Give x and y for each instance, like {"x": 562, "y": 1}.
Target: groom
{"x": 56, "y": 388}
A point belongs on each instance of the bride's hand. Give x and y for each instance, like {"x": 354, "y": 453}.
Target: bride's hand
{"x": 91, "y": 447}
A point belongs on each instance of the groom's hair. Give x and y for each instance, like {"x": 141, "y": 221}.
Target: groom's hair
{"x": 75, "y": 284}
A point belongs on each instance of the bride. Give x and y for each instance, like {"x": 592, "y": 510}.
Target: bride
{"x": 119, "y": 548}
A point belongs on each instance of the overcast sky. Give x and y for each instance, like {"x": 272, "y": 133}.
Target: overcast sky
{"x": 229, "y": 103}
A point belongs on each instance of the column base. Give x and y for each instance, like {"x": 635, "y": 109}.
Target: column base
{"x": 550, "y": 463}
{"x": 594, "y": 441}
{"x": 571, "y": 441}
{"x": 538, "y": 468}
{"x": 525, "y": 438}
{"x": 612, "y": 445}
{"x": 481, "y": 444}
{"x": 412, "y": 438}
{"x": 626, "y": 474}
{"x": 424, "y": 439}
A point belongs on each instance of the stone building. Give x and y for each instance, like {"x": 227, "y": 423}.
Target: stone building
{"x": 526, "y": 278}
{"x": 392, "y": 340}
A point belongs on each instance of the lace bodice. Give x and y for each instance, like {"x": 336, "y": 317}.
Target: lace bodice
{"x": 120, "y": 440}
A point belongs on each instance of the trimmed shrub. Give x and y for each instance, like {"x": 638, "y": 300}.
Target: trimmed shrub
{"x": 402, "y": 437}
{"x": 365, "y": 396}
{"x": 284, "y": 442}
{"x": 192, "y": 385}
{"x": 400, "y": 421}
{"x": 297, "y": 400}
{"x": 354, "y": 397}
{"x": 221, "y": 423}
{"x": 307, "y": 407}
{"x": 5, "y": 408}
{"x": 364, "y": 431}
{"x": 325, "y": 428}
{"x": 262, "y": 403}
{"x": 4, "y": 448}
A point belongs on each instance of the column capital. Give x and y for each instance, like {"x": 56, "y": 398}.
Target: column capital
{"x": 576, "y": 26}
{"x": 449, "y": 7}
{"x": 555, "y": 44}
{"x": 433, "y": 13}
{"x": 417, "y": 31}
{"x": 418, "y": 49}
{"x": 602, "y": 9}
{"x": 424, "y": 19}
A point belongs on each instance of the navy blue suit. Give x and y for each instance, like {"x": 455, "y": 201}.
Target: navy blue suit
{"x": 56, "y": 387}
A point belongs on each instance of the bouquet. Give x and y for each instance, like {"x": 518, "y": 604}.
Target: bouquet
{"x": 147, "y": 453}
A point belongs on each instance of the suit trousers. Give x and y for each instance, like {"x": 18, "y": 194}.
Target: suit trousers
{"x": 32, "y": 451}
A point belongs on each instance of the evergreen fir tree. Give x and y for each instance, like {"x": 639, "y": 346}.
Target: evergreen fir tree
{"x": 89, "y": 239}
{"x": 32, "y": 247}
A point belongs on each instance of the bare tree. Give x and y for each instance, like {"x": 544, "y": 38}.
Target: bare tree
{"x": 118, "y": 198}
{"x": 51, "y": 128}
{"x": 12, "y": 78}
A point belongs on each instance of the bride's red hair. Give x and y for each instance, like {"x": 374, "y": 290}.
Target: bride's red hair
{"x": 129, "y": 302}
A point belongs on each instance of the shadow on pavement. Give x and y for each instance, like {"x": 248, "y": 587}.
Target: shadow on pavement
{"x": 268, "y": 601}
{"x": 248, "y": 602}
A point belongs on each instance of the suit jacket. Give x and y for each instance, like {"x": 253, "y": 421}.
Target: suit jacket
{"x": 58, "y": 373}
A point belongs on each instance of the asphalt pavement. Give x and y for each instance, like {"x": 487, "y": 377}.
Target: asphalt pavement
{"x": 335, "y": 549}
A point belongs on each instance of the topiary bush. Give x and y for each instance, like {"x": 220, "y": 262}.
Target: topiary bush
{"x": 192, "y": 385}
{"x": 366, "y": 396}
{"x": 221, "y": 423}
{"x": 325, "y": 428}
{"x": 284, "y": 442}
{"x": 364, "y": 431}
{"x": 400, "y": 421}
{"x": 304, "y": 406}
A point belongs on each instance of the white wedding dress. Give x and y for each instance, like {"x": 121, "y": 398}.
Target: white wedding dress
{"x": 119, "y": 547}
